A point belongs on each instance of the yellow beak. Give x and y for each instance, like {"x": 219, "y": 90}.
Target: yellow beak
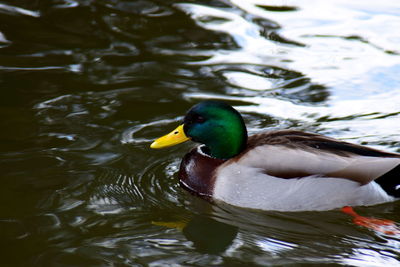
{"x": 175, "y": 137}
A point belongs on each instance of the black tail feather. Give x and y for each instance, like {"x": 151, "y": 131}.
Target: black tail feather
{"x": 390, "y": 182}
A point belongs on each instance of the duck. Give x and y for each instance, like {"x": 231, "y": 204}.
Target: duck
{"x": 277, "y": 170}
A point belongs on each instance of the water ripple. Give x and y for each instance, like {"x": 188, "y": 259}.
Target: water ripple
{"x": 89, "y": 84}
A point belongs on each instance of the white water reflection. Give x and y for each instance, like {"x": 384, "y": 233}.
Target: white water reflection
{"x": 247, "y": 80}
{"x": 343, "y": 39}
{"x": 344, "y": 45}
{"x": 17, "y": 10}
{"x": 254, "y": 49}
{"x": 370, "y": 258}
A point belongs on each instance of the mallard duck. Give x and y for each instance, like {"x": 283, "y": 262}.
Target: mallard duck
{"x": 285, "y": 170}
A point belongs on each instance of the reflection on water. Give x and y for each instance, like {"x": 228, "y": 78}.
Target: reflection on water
{"x": 86, "y": 85}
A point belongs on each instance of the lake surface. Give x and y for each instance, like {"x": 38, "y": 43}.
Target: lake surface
{"x": 85, "y": 86}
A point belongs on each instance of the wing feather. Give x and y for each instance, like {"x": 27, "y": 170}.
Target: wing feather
{"x": 295, "y": 154}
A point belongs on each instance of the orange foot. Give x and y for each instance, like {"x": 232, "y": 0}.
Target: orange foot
{"x": 381, "y": 225}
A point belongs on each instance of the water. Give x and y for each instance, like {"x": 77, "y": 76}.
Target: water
{"x": 86, "y": 85}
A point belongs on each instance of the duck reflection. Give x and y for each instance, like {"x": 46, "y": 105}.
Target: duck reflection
{"x": 208, "y": 235}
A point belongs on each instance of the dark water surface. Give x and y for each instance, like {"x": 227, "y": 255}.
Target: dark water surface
{"x": 86, "y": 85}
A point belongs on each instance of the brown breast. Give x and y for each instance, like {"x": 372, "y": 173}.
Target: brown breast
{"x": 197, "y": 172}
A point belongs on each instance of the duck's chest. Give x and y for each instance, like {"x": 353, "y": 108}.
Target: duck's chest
{"x": 197, "y": 172}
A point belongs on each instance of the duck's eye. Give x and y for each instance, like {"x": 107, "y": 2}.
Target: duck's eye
{"x": 199, "y": 119}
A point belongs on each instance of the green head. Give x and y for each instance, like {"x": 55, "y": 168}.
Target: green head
{"x": 215, "y": 124}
